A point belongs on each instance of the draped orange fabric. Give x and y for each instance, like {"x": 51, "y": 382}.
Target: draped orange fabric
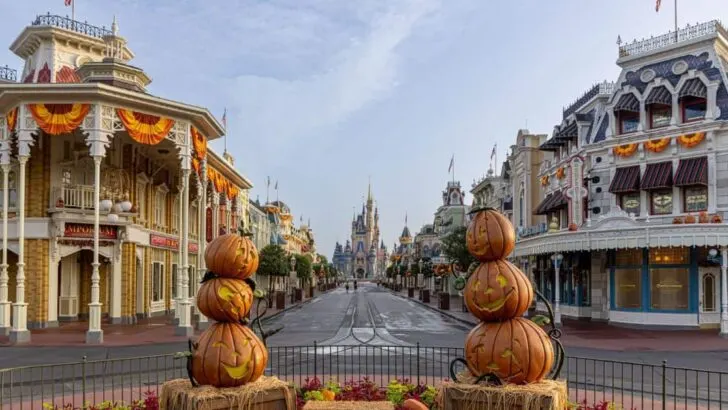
{"x": 199, "y": 143}
{"x": 56, "y": 119}
{"x": 12, "y": 119}
{"x": 145, "y": 128}
{"x": 196, "y": 165}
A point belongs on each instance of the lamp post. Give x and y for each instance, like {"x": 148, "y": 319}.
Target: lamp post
{"x": 293, "y": 273}
{"x": 723, "y": 288}
{"x": 557, "y": 258}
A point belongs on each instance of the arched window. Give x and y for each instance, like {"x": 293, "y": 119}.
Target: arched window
{"x": 693, "y": 100}
{"x": 521, "y": 204}
{"x": 709, "y": 304}
{"x": 659, "y": 107}
{"x": 627, "y": 111}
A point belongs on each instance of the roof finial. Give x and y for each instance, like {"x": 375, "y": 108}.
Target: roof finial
{"x": 114, "y": 26}
{"x": 369, "y": 195}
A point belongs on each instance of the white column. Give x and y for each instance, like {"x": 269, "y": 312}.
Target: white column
{"x": 202, "y": 322}
{"x": 724, "y": 292}
{"x": 95, "y": 335}
{"x": 557, "y": 292}
{"x": 115, "y": 294}
{"x": 183, "y": 302}
{"x": 180, "y": 261}
{"x": 19, "y": 332}
{"x": 4, "y": 302}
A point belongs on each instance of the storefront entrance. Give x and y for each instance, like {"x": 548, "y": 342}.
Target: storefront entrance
{"x": 709, "y": 308}
{"x": 68, "y": 290}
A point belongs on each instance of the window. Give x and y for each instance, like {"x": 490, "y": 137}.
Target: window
{"x": 630, "y": 203}
{"x": 628, "y": 257}
{"x": 157, "y": 282}
{"x": 160, "y": 208}
{"x": 174, "y": 281}
{"x": 661, "y": 202}
{"x": 628, "y": 121}
{"x": 521, "y": 211}
{"x": 175, "y": 214}
{"x": 627, "y": 288}
{"x": 693, "y": 108}
{"x": 669, "y": 288}
{"x": 709, "y": 293}
{"x": 141, "y": 196}
{"x": 194, "y": 220}
{"x": 660, "y": 115}
{"x": 564, "y": 218}
{"x": 669, "y": 256}
{"x": 696, "y": 198}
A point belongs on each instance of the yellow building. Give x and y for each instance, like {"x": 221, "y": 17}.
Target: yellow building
{"x": 107, "y": 190}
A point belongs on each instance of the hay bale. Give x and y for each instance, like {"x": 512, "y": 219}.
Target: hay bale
{"x": 348, "y": 405}
{"x": 266, "y": 393}
{"x": 544, "y": 395}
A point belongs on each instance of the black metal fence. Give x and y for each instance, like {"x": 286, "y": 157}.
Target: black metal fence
{"x": 631, "y": 385}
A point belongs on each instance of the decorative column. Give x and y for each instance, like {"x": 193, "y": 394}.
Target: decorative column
{"x": 97, "y": 142}
{"x": 184, "y": 328}
{"x": 202, "y": 322}
{"x": 557, "y": 258}
{"x": 180, "y": 261}
{"x": 724, "y": 292}
{"x": 4, "y": 302}
{"x": 19, "y": 332}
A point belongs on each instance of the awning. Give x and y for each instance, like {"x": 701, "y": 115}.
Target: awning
{"x": 694, "y": 88}
{"x": 657, "y": 176}
{"x": 659, "y": 95}
{"x": 551, "y": 203}
{"x": 626, "y": 179}
{"x": 692, "y": 171}
{"x": 544, "y": 203}
{"x": 628, "y": 102}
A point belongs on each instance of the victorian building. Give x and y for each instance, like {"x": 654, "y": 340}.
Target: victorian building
{"x": 495, "y": 190}
{"x": 637, "y": 189}
{"x": 109, "y": 193}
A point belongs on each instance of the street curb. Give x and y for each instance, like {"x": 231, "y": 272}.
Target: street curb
{"x": 440, "y": 311}
{"x": 296, "y": 306}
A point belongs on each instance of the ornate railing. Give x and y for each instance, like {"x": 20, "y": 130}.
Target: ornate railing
{"x": 8, "y": 74}
{"x": 70, "y": 24}
{"x": 74, "y": 196}
{"x": 604, "y": 88}
{"x": 654, "y": 43}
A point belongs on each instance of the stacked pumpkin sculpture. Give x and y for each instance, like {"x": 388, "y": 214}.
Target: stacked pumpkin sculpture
{"x": 504, "y": 347}
{"x": 228, "y": 353}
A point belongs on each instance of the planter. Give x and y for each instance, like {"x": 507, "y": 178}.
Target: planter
{"x": 348, "y": 405}
{"x": 445, "y": 301}
{"x": 410, "y": 292}
{"x": 544, "y": 395}
{"x": 280, "y": 300}
{"x": 266, "y": 393}
{"x": 298, "y": 294}
{"x": 425, "y": 295}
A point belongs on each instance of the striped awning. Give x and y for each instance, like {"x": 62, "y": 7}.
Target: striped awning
{"x": 544, "y": 203}
{"x": 692, "y": 171}
{"x": 694, "y": 88}
{"x": 657, "y": 176}
{"x": 659, "y": 95}
{"x": 627, "y": 102}
{"x": 551, "y": 203}
{"x": 626, "y": 179}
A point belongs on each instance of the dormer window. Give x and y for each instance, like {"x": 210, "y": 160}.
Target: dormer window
{"x": 659, "y": 107}
{"x": 627, "y": 112}
{"x": 693, "y": 103}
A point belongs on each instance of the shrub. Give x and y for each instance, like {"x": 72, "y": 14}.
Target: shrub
{"x": 149, "y": 402}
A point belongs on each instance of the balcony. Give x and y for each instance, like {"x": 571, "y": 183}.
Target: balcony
{"x": 7, "y": 74}
{"x": 69, "y": 24}
{"x": 74, "y": 196}
{"x": 690, "y": 32}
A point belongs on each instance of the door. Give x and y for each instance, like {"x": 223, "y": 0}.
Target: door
{"x": 709, "y": 307}
{"x": 140, "y": 307}
{"x": 68, "y": 298}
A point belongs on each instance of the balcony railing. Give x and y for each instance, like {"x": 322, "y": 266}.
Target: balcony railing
{"x": 75, "y": 196}
{"x": 70, "y": 24}
{"x": 8, "y": 74}
{"x": 604, "y": 88}
{"x": 685, "y": 34}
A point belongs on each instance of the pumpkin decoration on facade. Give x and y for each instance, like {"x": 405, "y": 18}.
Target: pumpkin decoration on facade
{"x": 690, "y": 219}
{"x": 225, "y": 299}
{"x": 560, "y": 173}
{"x": 490, "y": 235}
{"x": 703, "y": 217}
{"x": 657, "y": 145}
{"x": 516, "y": 350}
{"x": 625, "y": 150}
{"x": 232, "y": 256}
{"x": 544, "y": 180}
{"x": 691, "y": 140}
{"x": 228, "y": 355}
{"x": 717, "y": 219}
{"x": 498, "y": 290}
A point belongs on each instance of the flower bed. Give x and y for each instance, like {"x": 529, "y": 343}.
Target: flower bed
{"x": 149, "y": 402}
{"x": 396, "y": 392}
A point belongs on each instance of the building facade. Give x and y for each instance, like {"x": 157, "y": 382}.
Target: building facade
{"x": 109, "y": 193}
{"x": 637, "y": 190}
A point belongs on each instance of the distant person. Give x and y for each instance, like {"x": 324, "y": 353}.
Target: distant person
{"x": 355, "y": 285}
{"x": 347, "y": 287}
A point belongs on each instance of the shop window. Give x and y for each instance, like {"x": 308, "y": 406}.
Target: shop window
{"x": 564, "y": 218}
{"x": 696, "y": 198}
{"x": 157, "y": 282}
{"x": 669, "y": 256}
{"x": 660, "y": 115}
{"x": 174, "y": 281}
{"x": 661, "y": 202}
{"x": 628, "y": 257}
{"x": 709, "y": 304}
{"x": 693, "y": 108}
{"x": 628, "y": 288}
{"x": 669, "y": 288}
{"x": 630, "y": 203}
{"x": 160, "y": 208}
{"x": 628, "y": 121}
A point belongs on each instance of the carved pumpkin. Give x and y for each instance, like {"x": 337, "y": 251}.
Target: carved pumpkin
{"x": 516, "y": 350}
{"x": 228, "y": 355}
{"x": 225, "y": 299}
{"x": 498, "y": 290}
{"x": 490, "y": 235}
{"x": 232, "y": 256}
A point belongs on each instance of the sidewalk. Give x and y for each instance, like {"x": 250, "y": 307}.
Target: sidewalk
{"x": 596, "y": 335}
{"x": 154, "y": 330}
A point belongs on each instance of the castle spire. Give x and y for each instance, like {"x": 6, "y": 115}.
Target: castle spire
{"x": 369, "y": 194}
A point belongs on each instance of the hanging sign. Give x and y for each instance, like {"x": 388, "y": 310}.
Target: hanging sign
{"x": 208, "y": 224}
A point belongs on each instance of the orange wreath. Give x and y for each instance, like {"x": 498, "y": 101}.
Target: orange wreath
{"x": 12, "y": 119}
{"x": 56, "y": 119}
{"x": 199, "y": 143}
{"x": 143, "y": 128}
{"x": 657, "y": 145}
{"x": 625, "y": 150}
{"x": 560, "y": 173}
{"x": 691, "y": 140}
{"x": 545, "y": 180}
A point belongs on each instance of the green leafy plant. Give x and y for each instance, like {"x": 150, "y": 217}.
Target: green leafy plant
{"x": 455, "y": 248}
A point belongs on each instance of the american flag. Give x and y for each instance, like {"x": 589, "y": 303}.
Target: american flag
{"x": 224, "y": 113}
{"x": 492, "y": 153}
{"x": 68, "y": 2}
{"x": 657, "y": 5}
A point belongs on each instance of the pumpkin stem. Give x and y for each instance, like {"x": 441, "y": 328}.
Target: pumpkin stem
{"x": 208, "y": 276}
{"x": 478, "y": 208}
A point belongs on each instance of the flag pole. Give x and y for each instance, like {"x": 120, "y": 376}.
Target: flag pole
{"x": 73, "y": 10}
{"x": 676, "y": 36}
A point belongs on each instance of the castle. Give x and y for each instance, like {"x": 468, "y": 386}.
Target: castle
{"x": 361, "y": 258}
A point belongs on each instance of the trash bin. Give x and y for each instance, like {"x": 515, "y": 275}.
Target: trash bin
{"x": 425, "y": 295}
{"x": 445, "y": 301}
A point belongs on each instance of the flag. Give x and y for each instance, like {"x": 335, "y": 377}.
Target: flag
{"x": 657, "y": 5}
{"x": 276, "y": 187}
{"x": 68, "y": 2}
{"x": 224, "y": 116}
{"x": 492, "y": 153}
{"x": 268, "y": 182}
{"x": 452, "y": 163}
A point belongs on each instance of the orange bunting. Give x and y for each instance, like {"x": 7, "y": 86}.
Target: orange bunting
{"x": 691, "y": 140}
{"x": 657, "y": 145}
{"x": 625, "y": 150}
{"x": 56, "y": 119}
{"x": 199, "y": 143}
{"x": 145, "y": 128}
{"x": 11, "y": 120}
{"x": 196, "y": 165}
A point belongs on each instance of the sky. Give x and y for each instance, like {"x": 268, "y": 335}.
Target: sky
{"x": 324, "y": 95}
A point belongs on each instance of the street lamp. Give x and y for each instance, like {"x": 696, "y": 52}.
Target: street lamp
{"x": 557, "y": 258}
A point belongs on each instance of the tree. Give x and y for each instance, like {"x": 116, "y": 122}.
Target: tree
{"x": 427, "y": 267}
{"x": 303, "y": 267}
{"x": 273, "y": 263}
{"x": 455, "y": 248}
{"x": 322, "y": 259}
{"x": 390, "y": 271}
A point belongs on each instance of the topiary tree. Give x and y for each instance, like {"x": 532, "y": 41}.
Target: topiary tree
{"x": 274, "y": 263}
{"x": 455, "y": 249}
{"x": 303, "y": 268}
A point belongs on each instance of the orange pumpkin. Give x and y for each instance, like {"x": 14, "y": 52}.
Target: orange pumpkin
{"x": 516, "y": 350}
{"x": 228, "y": 355}
{"x": 412, "y": 404}
{"x": 225, "y": 299}
{"x": 490, "y": 235}
{"x": 498, "y": 290}
{"x": 232, "y": 256}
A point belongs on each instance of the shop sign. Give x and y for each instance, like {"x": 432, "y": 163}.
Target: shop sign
{"x": 193, "y": 248}
{"x": 166, "y": 242}
{"x": 208, "y": 224}
{"x": 75, "y": 230}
